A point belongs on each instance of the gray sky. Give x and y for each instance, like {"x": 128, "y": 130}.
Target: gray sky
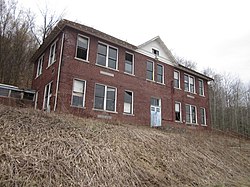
{"x": 213, "y": 33}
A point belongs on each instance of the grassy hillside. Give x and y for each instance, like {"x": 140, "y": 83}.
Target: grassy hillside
{"x": 39, "y": 149}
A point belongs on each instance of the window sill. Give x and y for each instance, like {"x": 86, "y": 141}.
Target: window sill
{"x": 38, "y": 76}
{"x": 100, "y": 110}
{"x": 163, "y": 84}
{"x": 127, "y": 114}
{"x": 129, "y": 74}
{"x": 195, "y": 124}
{"x": 203, "y": 125}
{"x": 80, "y": 107}
{"x": 150, "y": 80}
{"x": 81, "y": 60}
{"x": 179, "y": 122}
{"x": 177, "y": 88}
{"x": 202, "y": 95}
{"x": 191, "y": 92}
{"x": 107, "y": 67}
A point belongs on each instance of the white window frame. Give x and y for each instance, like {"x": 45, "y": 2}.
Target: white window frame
{"x": 176, "y": 102}
{"x": 107, "y": 56}
{"x": 40, "y": 66}
{"x": 205, "y": 117}
{"x": 132, "y": 103}
{"x": 44, "y": 94}
{"x": 162, "y": 73}
{"x": 190, "y": 114}
{"x": 87, "y": 57}
{"x": 105, "y": 98}
{"x": 189, "y": 83}
{"x": 36, "y": 99}
{"x": 133, "y": 66}
{"x": 53, "y": 58}
{"x": 175, "y": 71}
{"x": 153, "y": 75}
{"x": 77, "y": 93}
{"x": 203, "y": 91}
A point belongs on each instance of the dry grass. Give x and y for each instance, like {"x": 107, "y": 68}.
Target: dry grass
{"x": 39, "y": 149}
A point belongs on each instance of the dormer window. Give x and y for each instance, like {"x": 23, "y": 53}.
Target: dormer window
{"x": 156, "y": 52}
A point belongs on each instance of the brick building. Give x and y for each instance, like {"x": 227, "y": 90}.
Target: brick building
{"x": 86, "y": 72}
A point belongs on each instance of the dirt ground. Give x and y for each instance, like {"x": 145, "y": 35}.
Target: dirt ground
{"x": 40, "y": 149}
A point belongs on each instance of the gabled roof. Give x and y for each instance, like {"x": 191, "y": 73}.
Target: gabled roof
{"x": 162, "y": 44}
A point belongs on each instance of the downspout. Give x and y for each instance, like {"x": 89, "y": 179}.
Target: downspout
{"x": 59, "y": 71}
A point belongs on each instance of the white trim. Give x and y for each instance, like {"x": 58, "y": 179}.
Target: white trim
{"x": 105, "y": 98}
{"x": 133, "y": 63}
{"x": 163, "y": 80}
{"x": 84, "y": 93}
{"x": 179, "y": 78}
{"x": 49, "y": 95}
{"x": 36, "y": 99}
{"x": 189, "y": 84}
{"x": 87, "y": 57}
{"x": 205, "y": 117}
{"x": 132, "y": 107}
{"x": 190, "y": 112}
{"x": 54, "y": 54}
{"x": 203, "y": 87}
{"x": 177, "y": 102}
{"x": 107, "y": 55}
{"x": 153, "y": 76}
{"x": 40, "y": 63}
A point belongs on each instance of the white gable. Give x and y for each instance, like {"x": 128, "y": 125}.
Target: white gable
{"x": 156, "y": 44}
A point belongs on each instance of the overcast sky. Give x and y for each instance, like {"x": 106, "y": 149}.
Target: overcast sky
{"x": 213, "y": 33}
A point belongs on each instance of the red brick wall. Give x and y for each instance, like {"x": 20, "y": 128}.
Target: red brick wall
{"x": 142, "y": 89}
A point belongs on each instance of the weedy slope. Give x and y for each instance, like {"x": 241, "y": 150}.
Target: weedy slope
{"x": 40, "y": 149}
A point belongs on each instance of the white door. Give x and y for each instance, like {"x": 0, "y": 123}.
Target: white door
{"x": 47, "y": 96}
{"x": 155, "y": 112}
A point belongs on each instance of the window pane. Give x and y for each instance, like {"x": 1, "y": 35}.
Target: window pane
{"x": 101, "y": 60}
{"x": 15, "y": 94}
{"x": 176, "y": 75}
{"x": 81, "y": 53}
{"x": 186, "y": 79}
{"x": 82, "y": 42}
{"x": 28, "y": 96}
{"x": 193, "y": 114}
{"x": 78, "y": 86}
{"x": 128, "y": 67}
{"x": 99, "y": 102}
{"x": 188, "y": 120}
{"x": 159, "y": 78}
{"x": 110, "y": 105}
{"x": 4, "y": 92}
{"x": 127, "y": 108}
{"x": 111, "y": 93}
{"x": 112, "y": 63}
{"x": 102, "y": 49}
{"x": 150, "y": 66}
{"x": 159, "y": 69}
{"x": 177, "y": 107}
{"x": 149, "y": 75}
{"x": 129, "y": 57}
{"x": 155, "y": 102}
{"x": 112, "y": 53}
{"x": 186, "y": 85}
{"x": 99, "y": 90}
{"x": 128, "y": 97}
{"x": 77, "y": 101}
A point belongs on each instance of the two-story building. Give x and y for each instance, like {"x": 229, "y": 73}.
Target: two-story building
{"x": 88, "y": 73}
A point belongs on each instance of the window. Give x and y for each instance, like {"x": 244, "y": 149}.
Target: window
{"x": 178, "y": 111}
{"x": 129, "y": 63}
{"x": 15, "y": 94}
{"x": 39, "y": 66}
{"x": 47, "y": 96}
{"x": 82, "y": 47}
{"x": 160, "y": 73}
{"x": 191, "y": 114}
{"x": 155, "y": 101}
{"x": 201, "y": 87}
{"x": 128, "y": 102}
{"x": 4, "y": 92}
{"x": 105, "y": 98}
{"x": 189, "y": 83}
{"x": 150, "y": 70}
{"x": 28, "y": 96}
{"x": 78, "y": 93}
{"x": 52, "y": 54}
{"x": 203, "y": 116}
{"x": 107, "y": 56}
{"x": 176, "y": 79}
{"x": 156, "y": 52}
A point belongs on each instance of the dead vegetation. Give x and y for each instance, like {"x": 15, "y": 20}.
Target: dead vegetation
{"x": 39, "y": 149}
